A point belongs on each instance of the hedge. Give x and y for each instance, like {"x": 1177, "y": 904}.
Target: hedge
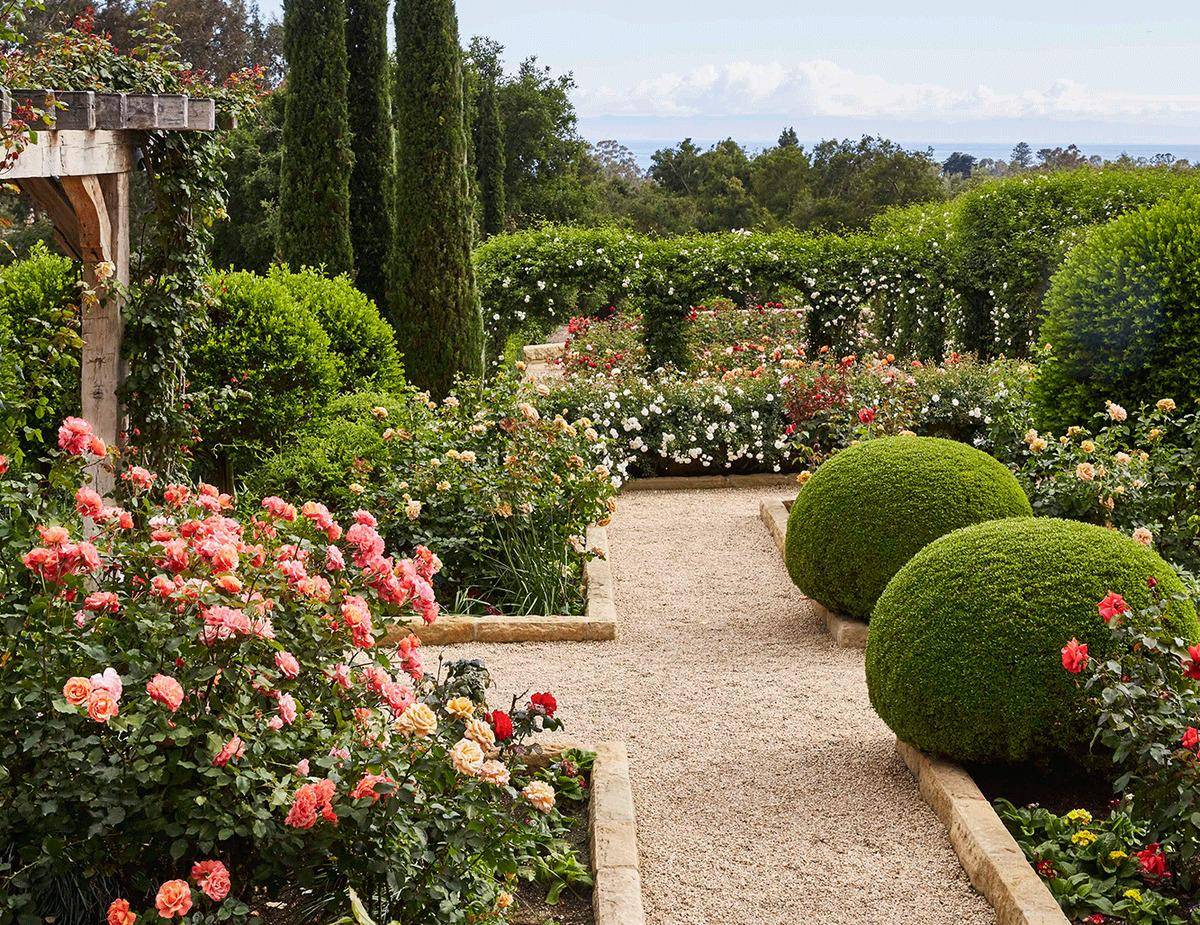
{"x": 964, "y": 653}
{"x": 970, "y": 272}
{"x": 872, "y": 507}
{"x": 1121, "y": 320}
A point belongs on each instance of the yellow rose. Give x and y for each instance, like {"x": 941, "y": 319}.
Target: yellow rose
{"x": 1165, "y": 405}
{"x": 467, "y": 757}
{"x": 418, "y": 720}
{"x": 460, "y": 707}
{"x": 1087, "y": 446}
{"x": 479, "y": 731}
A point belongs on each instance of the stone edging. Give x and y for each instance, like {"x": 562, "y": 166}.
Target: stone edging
{"x": 845, "y": 632}
{"x": 989, "y": 854}
{"x": 539, "y": 353}
{"x": 599, "y": 623}
{"x": 612, "y": 833}
{"x": 682, "y": 482}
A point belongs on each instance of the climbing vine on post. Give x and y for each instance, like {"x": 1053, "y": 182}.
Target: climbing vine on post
{"x": 166, "y": 303}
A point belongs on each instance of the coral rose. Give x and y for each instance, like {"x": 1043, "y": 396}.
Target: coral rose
{"x": 232, "y": 749}
{"x": 165, "y": 690}
{"x": 76, "y": 690}
{"x": 540, "y": 794}
{"x": 212, "y": 877}
{"x": 1113, "y": 605}
{"x": 286, "y": 662}
{"x": 119, "y": 913}
{"x": 101, "y": 705}
{"x": 1075, "y": 656}
{"x": 174, "y": 899}
{"x": 467, "y": 757}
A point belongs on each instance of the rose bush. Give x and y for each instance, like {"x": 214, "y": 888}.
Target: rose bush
{"x": 198, "y": 718}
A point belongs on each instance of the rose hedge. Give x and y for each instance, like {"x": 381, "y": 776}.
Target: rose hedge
{"x": 869, "y": 509}
{"x": 196, "y": 717}
{"x": 963, "y": 657}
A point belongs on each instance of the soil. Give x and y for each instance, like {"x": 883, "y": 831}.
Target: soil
{"x": 1059, "y": 790}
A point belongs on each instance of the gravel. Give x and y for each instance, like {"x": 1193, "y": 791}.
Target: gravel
{"x": 767, "y": 789}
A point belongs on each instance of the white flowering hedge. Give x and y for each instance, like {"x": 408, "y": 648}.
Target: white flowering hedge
{"x": 968, "y": 274}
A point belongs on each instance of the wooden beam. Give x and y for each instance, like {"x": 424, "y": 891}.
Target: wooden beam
{"x": 101, "y": 206}
{"x": 75, "y": 154}
{"x": 49, "y": 196}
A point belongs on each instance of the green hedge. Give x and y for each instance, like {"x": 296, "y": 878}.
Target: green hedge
{"x": 1011, "y": 234}
{"x": 39, "y": 348}
{"x": 963, "y": 658}
{"x": 1122, "y": 317}
{"x": 972, "y": 270}
{"x": 872, "y": 507}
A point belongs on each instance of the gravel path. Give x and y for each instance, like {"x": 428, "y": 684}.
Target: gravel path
{"x": 767, "y": 790}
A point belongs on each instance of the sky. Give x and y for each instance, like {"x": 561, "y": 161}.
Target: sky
{"x": 1102, "y": 72}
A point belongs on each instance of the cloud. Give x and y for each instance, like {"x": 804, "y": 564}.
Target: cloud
{"x": 822, "y": 88}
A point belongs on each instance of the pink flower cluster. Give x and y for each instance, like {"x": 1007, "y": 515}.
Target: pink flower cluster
{"x": 312, "y": 800}
{"x": 76, "y": 437}
{"x": 58, "y": 557}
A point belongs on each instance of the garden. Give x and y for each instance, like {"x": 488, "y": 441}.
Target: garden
{"x": 310, "y": 612}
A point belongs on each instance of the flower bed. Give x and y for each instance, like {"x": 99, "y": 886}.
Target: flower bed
{"x": 200, "y": 720}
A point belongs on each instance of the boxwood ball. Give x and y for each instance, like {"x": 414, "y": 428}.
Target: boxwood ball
{"x": 964, "y": 656}
{"x": 872, "y": 507}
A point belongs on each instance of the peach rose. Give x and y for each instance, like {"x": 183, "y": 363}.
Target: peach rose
{"x": 174, "y": 899}
{"x": 540, "y": 794}
{"x": 418, "y": 720}
{"x": 101, "y": 705}
{"x": 460, "y": 707}
{"x": 467, "y": 757}
{"x": 165, "y": 690}
{"x": 76, "y": 690}
{"x": 479, "y": 731}
{"x": 494, "y": 772}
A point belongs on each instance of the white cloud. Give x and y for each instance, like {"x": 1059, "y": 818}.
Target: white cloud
{"x": 823, "y": 88}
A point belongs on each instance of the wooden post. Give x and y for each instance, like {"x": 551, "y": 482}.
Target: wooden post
{"x": 101, "y": 206}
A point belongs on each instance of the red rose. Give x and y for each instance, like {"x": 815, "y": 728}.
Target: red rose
{"x": 544, "y": 703}
{"x": 502, "y": 725}
{"x": 1112, "y": 606}
{"x": 866, "y": 415}
{"x": 1152, "y": 862}
{"x": 1191, "y": 737}
{"x": 1075, "y": 656}
{"x": 1191, "y": 664}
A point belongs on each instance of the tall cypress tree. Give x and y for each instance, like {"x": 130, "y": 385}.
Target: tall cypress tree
{"x": 314, "y": 180}
{"x": 434, "y": 305}
{"x": 372, "y": 194}
{"x": 488, "y": 135}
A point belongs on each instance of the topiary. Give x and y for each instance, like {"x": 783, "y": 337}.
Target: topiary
{"x": 262, "y": 368}
{"x": 1120, "y": 316}
{"x": 362, "y": 342}
{"x": 869, "y": 509}
{"x": 963, "y": 657}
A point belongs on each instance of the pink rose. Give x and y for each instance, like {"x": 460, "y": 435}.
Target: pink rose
{"x": 286, "y": 662}
{"x": 165, "y": 690}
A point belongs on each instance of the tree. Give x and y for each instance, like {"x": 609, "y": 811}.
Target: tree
{"x": 372, "y": 194}
{"x": 488, "y": 135}
{"x": 314, "y": 179}
{"x": 434, "y": 306}
{"x": 1022, "y": 156}
{"x": 958, "y": 164}
{"x": 788, "y": 138}
{"x": 677, "y": 169}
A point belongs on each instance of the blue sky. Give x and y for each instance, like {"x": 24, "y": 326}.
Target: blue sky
{"x": 1110, "y": 72}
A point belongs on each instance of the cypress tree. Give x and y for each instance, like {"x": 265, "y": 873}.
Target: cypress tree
{"x": 314, "y": 179}
{"x": 489, "y": 141}
{"x": 372, "y": 195}
{"x": 434, "y": 305}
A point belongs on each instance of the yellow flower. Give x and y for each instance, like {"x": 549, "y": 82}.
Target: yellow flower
{"x": 1083, "y": 837}
{"x": 1117, "y": 856}
{"x": 1166, "y": 405}
{"x": 1037, "y": 445}
{"x": 479, "y": 731}
{"x": 460, "y": 707}
{"x": 1085, "y": 472}
{"x": 803, "y": 477}
{"x": 1087, "y": 446}
{"x": 418, "y": 720}
{"x": 1154, "y": 434}
{"x": 467, "y": 757}
{"x": 1081, "y": 816}
{"x": 504, "y": 900}
{"x": 1135, "y": 895}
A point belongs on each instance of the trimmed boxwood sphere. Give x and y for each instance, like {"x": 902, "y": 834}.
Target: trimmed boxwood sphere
{"x": 869, "y": 509}
{"x": 964, "y": 653}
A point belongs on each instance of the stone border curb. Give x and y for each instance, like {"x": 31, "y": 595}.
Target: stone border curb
{"x": 989, "y": 854}
{"x": 538, "y": 353}
{"x": 687, "y": 482}
{"x": 845, "y": 632}
{"x": 599, "y": 623}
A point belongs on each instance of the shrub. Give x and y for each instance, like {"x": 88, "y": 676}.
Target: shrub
{"x": 505, "y": 494}
{"x": 262, "y": 368}
{"x": 361, "y": 341}
{"x": 200, "y": 702}
{"x": 869, "y": 509}
{"x": 963, "y": 655}
{"x": 39, "y": 344}
{"x": 1010, "y": 235}
{"x": 1120, "y": 316}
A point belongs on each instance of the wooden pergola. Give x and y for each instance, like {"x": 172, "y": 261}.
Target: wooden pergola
{"x": 77, "y": 172}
